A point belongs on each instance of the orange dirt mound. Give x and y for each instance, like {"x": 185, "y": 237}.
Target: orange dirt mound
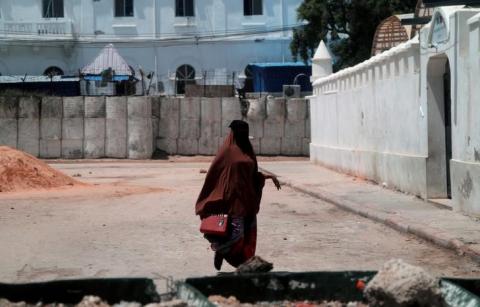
{"x": 20, "y": 171}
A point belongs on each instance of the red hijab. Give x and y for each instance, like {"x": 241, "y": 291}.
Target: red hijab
{"x": 233, "y": 184}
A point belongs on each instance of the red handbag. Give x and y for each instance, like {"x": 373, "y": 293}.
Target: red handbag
{"x": 215, "y": 225}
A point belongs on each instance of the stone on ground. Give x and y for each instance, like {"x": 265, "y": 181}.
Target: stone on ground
{"x": 401, "y": 284}
{"x": 255, "y": 265}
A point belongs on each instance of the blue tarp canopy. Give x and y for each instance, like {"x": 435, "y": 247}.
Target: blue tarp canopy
{"x": 99, "y": 78}
{"x": 270, "y": 77}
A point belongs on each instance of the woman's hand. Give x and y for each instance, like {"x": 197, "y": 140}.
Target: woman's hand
{"x": 274, "y": 179}
{"x": 276, "y": 182}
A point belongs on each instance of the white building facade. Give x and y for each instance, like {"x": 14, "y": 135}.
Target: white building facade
{"x": 216, "y": 36}
{"x": 409, "y": 117}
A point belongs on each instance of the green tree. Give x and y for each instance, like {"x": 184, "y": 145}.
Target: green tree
{"x": 348, "y": 26}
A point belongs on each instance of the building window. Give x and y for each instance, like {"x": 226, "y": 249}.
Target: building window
{"x": 252, "y": 7}
{"x": 123, "y": 8}
{"x": 52, "y": 8}
{"x": 185, "y": 75}
{"x": 184, "y": 8}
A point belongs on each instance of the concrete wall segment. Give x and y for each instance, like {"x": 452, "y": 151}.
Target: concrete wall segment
{"x": 95, "y": 133}
{"x": 52, "y": 107}
{"x": 139, "y": 107}
{"x": 8, "y": 107}
{"x": 140, "y": 138}
{"x": 8, "y": 132}
{"x": 29, "y": 107}
{"x": 29, "y": 135}
{"x": 95, "y": 107}
{"x": 169, "y": 124}
{"x": 73, "y": 107}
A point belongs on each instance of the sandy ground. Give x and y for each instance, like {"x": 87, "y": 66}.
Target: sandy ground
{"x": 137, "y": 220}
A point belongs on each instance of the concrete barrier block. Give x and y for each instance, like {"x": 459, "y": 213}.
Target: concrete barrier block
{"x": 256, "y": 145}
{"x": 29, "y": 135}
{"x": 231, "y": 110}
{"x": 276, "y": 109}
{"x": 296, "y": 110}
{"x": 273, "y": 129}
{"x": 94, "y": 148}
{"x": 73, "y": 107}
{"x": 50, "y": 149}
{"x": 116, "y": 107}
{"x": 270, "y": 146}
{"x": 155, "y": 124}
{"x": 116, "y": 138}
{"x": 292, "y": 146}
{"x": 306, "y": 147}
{"x": 95, "y": 107}
{"x": 208, "y": 145}
{"x": 274, "y": 123}
{"x": 190, "y": 108}
{"x": 188, "y": 147}
{"x": 51, "y": 128}
{"x": 167, "y": 145}
{"x": 52, "y": 107}
{"x": 210, "y": 123}
{"x": 190, "y": 129}
{"x": 156, "y": 101}
{"x": 140, "y": 136}
{"x": 94, "y": 143}
{"x": 72, "y": 149}
{"x": 8, "y": 132}
{"x": 29, "y": 107}
{"x": 169, "y": 125}
{"x": 139, "y": 107}
{"x": 256, "y": 128}
{"x": 95, "y": 128}
{"x": 72, "y": 128}
{"x": 8, "y": 107}
{"x": 256, "y": 109}
{"x": 294, "y": 130}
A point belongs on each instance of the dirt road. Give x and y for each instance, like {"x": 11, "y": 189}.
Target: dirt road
{"x": 139, "y": 222}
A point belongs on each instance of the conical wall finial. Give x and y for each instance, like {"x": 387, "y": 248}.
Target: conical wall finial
{"x": 322, "y": 52}
{"x": 321, "y": 62}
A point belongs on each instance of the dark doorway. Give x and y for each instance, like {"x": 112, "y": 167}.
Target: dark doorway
{"x": 439, "y": 104}
{"x": 448, "y": 124}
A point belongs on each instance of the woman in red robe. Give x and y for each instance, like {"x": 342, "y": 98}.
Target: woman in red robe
{"x": 233, "y": 186}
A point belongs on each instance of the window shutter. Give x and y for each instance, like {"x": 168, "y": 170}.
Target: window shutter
{"x": 189, "y": 10}
{"x": 129, "y": 8}
{"x": 58, "y": 9}
{"x": 179, "y": 12}
{"x": 247, "y": 7}
{"x": 119, "y": 8}
{"x": 257, "y": 7}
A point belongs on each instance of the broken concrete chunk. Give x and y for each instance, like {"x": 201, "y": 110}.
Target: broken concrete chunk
{"x": 255, "y": 265}
{"x": 92, "y": 301}
{"x": 401, "y": 284}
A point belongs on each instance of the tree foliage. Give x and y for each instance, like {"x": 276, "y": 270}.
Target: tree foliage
{"x": 348, "y": 25}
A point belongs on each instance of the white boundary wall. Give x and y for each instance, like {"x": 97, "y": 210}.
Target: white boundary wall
{"x": 384, "y": 119}
{"x": 366, "y": 120}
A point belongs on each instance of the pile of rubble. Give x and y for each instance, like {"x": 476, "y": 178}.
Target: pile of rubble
{"x": 397, "y": 284}
{"x": 94, "y": 301}
{"x": 20, "y": 171}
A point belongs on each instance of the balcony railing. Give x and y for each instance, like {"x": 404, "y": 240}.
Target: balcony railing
{"x": 50, "y": 29}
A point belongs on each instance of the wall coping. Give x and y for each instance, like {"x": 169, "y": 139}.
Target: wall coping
{"x": 381, "y": 58}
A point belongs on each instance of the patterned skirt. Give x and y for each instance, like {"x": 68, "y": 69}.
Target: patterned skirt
{"x": 241, "y": 242}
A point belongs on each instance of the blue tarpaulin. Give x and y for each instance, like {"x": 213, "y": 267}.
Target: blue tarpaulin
{"x": 99, "y": 78}
{"x": 270, "y": 77}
